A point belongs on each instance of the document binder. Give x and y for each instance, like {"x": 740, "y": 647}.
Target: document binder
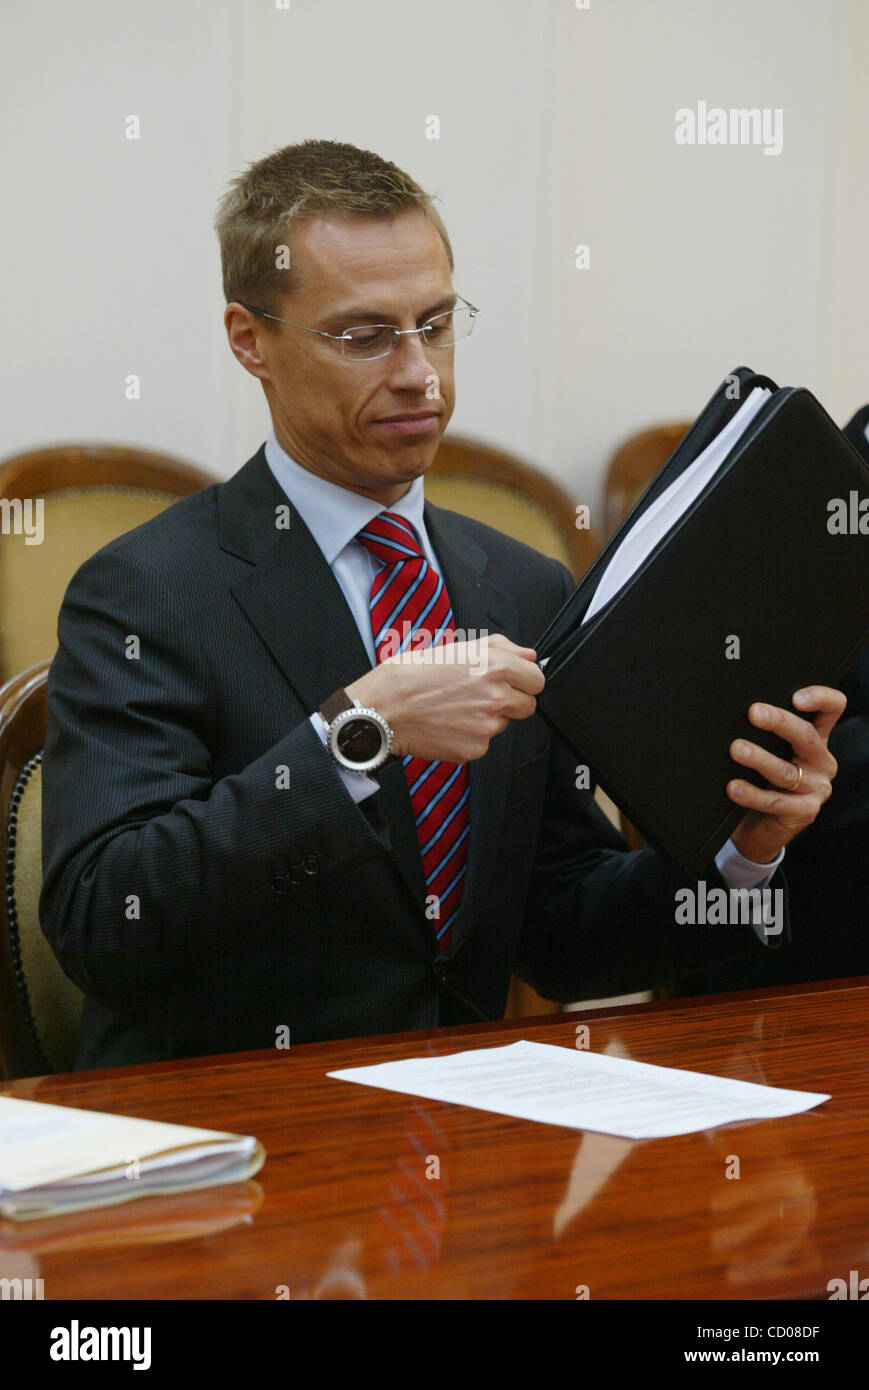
{"x": 857, "y": 430}
{"x": 758, "y": 587}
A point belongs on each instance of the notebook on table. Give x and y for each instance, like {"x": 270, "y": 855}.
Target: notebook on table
{"x": 56, "y": 1159}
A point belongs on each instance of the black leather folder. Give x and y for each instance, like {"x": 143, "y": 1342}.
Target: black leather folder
{"x": 645, "y": 692}
{"x": 857, "y": 430}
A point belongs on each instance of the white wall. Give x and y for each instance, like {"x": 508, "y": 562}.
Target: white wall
{"x": 109, "y": 263}
{"x": 483, "y": 69}
{"x": 847, "y": 243}
{"x": 556, "y": 128}
{"x": 701, "y": 258}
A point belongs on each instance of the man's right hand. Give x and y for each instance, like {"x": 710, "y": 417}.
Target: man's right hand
{"x": 448, "y": 701}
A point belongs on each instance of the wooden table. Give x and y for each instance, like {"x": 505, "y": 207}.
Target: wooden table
{"x": 348, "y": 1204}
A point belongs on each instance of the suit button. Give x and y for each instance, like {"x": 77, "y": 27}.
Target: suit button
{"x": 310, "y": 864}
{"x": 441, "y": 971}
{"x": 294, "y": 876}
{"x": 280, "y": 883}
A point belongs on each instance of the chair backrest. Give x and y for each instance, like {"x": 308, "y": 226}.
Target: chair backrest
{"x": 40, "y": 1008}
{"x": 633, "y": 466}
{"x": 492, "y": 486}
{"x": 88, "y": 494}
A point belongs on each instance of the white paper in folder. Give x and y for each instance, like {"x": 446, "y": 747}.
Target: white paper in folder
{"x": 661, "y": 516}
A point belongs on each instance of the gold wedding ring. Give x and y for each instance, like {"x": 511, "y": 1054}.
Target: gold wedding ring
{"x": 799, "y": 779}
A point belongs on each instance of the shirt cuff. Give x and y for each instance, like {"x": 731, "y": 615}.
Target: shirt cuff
{"x": 358, "y": 784}
{"x": 739, "y": 872}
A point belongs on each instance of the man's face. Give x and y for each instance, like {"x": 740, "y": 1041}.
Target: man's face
{"x": 331, "y": 414}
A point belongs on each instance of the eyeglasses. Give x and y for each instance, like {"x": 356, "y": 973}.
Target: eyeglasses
{"x": 372, "y": 340}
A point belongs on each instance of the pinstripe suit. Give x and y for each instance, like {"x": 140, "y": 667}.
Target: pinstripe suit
{"x": 201, "y": 903}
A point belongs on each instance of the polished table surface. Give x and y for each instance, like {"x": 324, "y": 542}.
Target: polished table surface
{"x": 369, "y": 1194}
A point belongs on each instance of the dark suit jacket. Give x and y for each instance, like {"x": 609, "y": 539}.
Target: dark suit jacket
{"x": 201, "y": 906}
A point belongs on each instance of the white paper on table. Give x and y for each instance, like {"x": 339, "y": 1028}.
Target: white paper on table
{"x": 583, "y": 1090}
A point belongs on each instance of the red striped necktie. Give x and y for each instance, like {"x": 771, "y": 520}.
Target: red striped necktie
{"x": 409, "y": 609}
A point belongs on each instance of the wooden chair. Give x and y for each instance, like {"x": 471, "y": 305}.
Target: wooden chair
{"x": 90, "y": 493}
{"x": 633, "y": 466}
{"x": 492, "y": 486}
{"x": 39, "y": 1007}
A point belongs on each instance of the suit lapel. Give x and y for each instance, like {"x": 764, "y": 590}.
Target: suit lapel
{"x": 289, "y": 594}
{"x": 292, "y": 598}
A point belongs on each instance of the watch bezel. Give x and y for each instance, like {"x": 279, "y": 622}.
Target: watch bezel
{"x": 386, "y": 739}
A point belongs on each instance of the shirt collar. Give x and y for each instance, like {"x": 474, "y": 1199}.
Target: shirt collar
{"x": 333, "y": 514}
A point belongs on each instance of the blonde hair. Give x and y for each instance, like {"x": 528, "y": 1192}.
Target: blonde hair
{"x": 258, "y": 209}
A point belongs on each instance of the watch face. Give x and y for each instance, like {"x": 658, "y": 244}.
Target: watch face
{"x": 359, "y": 740}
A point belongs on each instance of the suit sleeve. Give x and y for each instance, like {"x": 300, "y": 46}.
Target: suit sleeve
{"x": 847, "y": 810}
{"x": 147, "y": 860}
{"x": 601, "y": 919}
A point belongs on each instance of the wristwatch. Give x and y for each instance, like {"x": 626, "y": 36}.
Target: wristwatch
{"x": 359, "y": 739}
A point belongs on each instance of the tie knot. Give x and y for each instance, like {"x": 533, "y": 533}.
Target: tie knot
{"x": 390, "y": 539}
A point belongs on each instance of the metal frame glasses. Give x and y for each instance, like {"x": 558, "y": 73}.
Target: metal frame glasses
{"x": 366, "y": 342}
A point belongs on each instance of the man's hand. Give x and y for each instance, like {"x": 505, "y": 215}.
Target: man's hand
{"x": 448, "y": 701}
{"x": 791, "y": 802}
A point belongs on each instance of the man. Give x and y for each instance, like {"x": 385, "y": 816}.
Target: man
{"x": 220, "y": 871}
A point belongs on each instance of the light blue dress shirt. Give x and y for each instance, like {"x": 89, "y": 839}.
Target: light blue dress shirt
{"x": 334, "y": 515}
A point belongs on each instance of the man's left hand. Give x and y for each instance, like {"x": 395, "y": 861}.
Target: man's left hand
{"x": 791, "y": 802}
